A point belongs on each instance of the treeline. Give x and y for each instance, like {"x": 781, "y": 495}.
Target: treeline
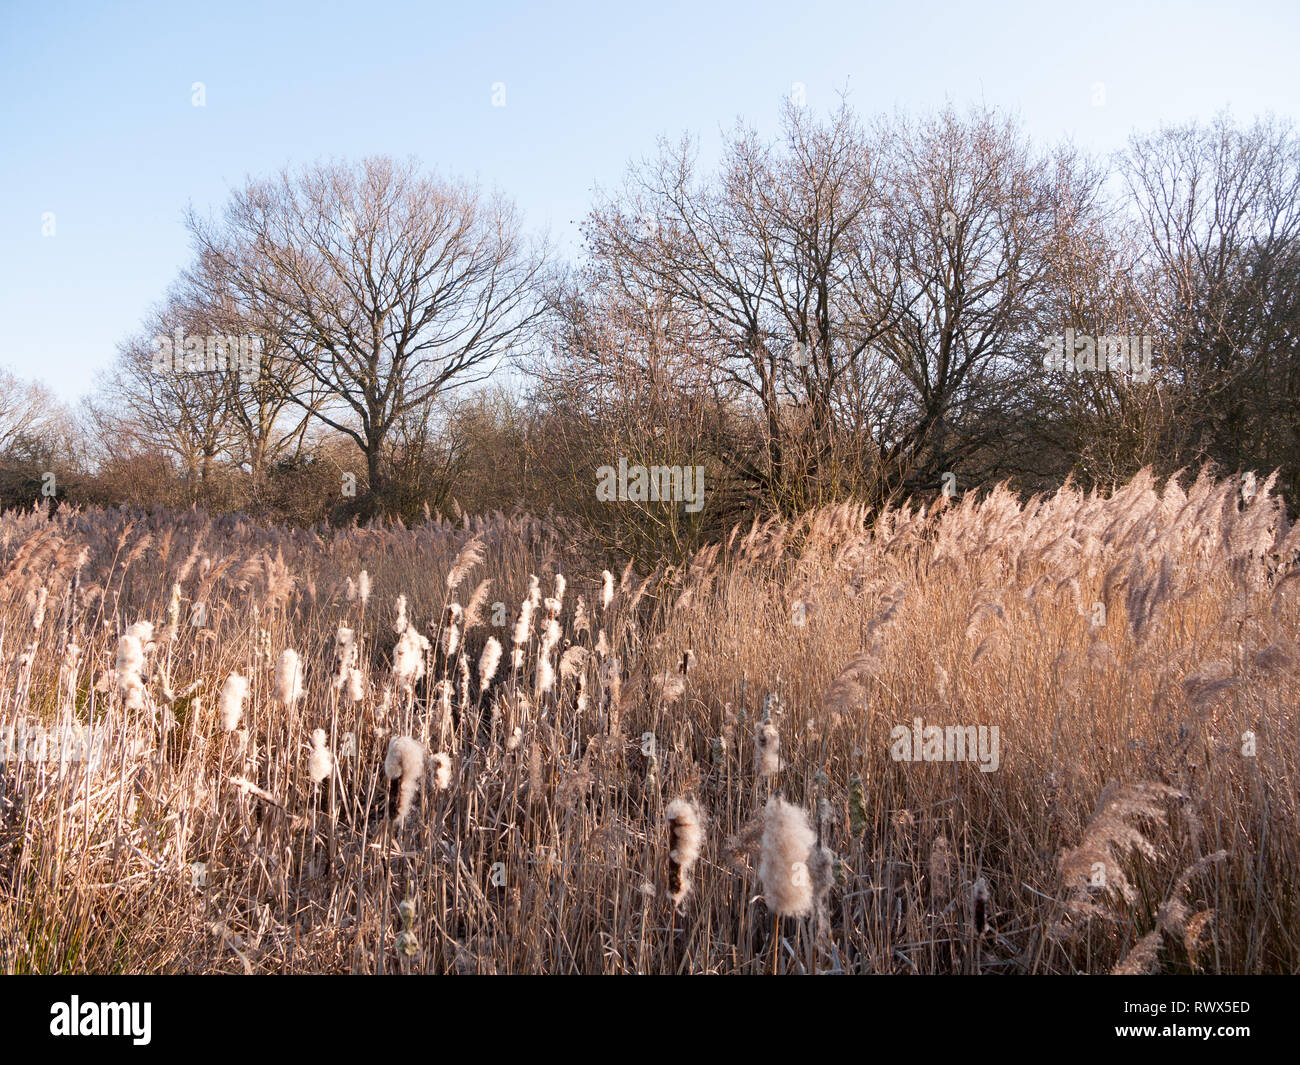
{"x": 865, "y": 308}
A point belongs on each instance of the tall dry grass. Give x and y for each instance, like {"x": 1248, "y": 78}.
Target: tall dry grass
{"x": 604, "y": 803}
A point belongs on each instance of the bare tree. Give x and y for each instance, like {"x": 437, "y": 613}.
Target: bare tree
{"x": 271, "y": 397}
{"x": 971, "y": 213}
{"x": 765, "y": 267}
{"x": 387, "y": 287}
{"x": 28, "y": 412}
{"x": 1218, "y": 211}
{"x": 154, "y": 402}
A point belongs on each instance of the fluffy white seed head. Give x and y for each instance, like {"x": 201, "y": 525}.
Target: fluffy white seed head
{"x": 408, "y": 660}
{"x": 130, "y": 665}
{"x": 441, "y": 771}
{"x": 788, "y": 840}
{"x": 320, "y": 763}
{"x": 524, "y": 624}
{"x": 488, "y": 662}
{"x": 288, "y": 678}
{"x": 451, "y": 630}
{"x": 767, "y": 749}
{"x": 685, "y": 835}
{"x": 233, "y": 693}
{"x": 345, "y": 642}
{"x": 404, "y": 767}
{"x": 545, "y": 674}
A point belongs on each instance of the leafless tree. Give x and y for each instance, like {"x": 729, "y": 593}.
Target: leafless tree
{"x": 386, "y": 286}
{"x": 1218, "y": 211}
{"x": 764, "y": 267}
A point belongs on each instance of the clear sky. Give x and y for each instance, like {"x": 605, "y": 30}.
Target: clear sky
{"x": 98, "y": 127}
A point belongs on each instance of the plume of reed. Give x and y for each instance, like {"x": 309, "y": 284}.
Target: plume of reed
{"x": 469, "y": 556}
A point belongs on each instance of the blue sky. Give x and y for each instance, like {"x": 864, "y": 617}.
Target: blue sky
{"x": 97, "y": 124}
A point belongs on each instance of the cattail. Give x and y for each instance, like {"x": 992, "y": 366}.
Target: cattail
{"x": 404, "y": 767}
{"x": 788, "y": 840}
{"x": 408, "y": 660}
{"x": 443, "y": 692}
{"x": 400, "y": 624}
{"x": 356, "y": 685}
{"x": 451, "y": 630}
{"x": 345, "y": 643}
{"x": 142, "y": 631}
{"x": 233, "y": 693}
{"x": 560, "y": 585}
{"x": 363, "y": 587}
{"x": 606, "y": 590}
{"x": 980, "y": 903}
{"x": 767, "y": 749}
{"x": 551, "y": 634}
{"x": 534, "y": 591}
{"x": 821, "y": 871}
{"x": 545, "y": 670}
{"x": 524, "y": 623}
{"x": 488, "y": 662}
{"x": 288, "y": 678}
{"x": 685, "y": 832}
{"x": 441, "y": 771}
{"x": 552, "y": 606}
{"x": 581, "y": 622}
{"x": 130, "y": 664}
{"x": 352, "y": 590}
{"x": 545, "y": 680}
{"x": 320, "y": 764}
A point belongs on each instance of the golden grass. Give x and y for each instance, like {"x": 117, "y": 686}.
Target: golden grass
{"x": 1128, "y": 649}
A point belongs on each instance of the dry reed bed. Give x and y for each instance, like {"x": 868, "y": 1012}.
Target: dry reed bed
{"x": 608, "y": 801}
